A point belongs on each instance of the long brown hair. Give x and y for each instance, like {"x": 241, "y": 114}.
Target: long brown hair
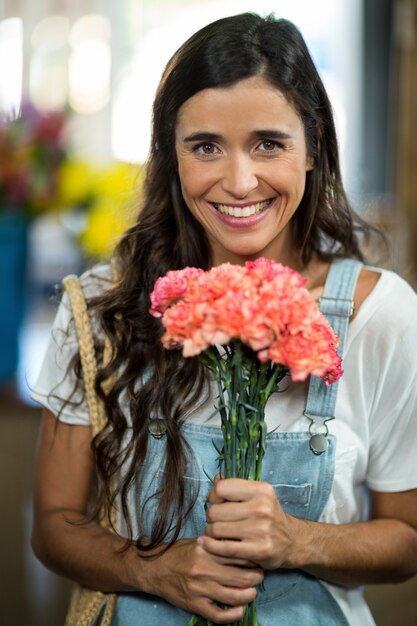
{"x": 168, "y": 237}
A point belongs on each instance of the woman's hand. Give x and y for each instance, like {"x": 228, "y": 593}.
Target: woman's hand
{"x": 248, "y": 514}
{"x": 245, "y": 520}
{"x": 189, "y": 577}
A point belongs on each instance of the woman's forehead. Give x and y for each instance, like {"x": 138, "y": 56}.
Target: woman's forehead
{"x": 252, "y": 102}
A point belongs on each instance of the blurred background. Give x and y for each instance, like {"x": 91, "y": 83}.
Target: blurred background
{"x": 77, "y": 79}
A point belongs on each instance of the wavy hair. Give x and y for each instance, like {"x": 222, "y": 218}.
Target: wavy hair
{"x": 167, "y": 237}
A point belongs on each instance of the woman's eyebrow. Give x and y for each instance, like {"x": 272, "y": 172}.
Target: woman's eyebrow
{"x": 271, "y": 133}
{"x": 208, "y": 136}
{"x": 201, "y": 136}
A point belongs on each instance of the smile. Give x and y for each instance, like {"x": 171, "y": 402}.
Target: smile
{"x": 242, "y": 211}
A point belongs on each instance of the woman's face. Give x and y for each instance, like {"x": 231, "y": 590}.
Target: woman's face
{"x": 242, "y": 163}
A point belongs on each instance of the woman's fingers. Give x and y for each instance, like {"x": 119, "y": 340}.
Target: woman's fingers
{"x": 235, "y": 500}
{"x": 228, "y": 511}
{"x": 214, "y": 613}
{"x": 222, "y": 572}
{"x": 212, "y": 496}
{"x": 237, "y": 490}
{"x": 238, "y": 531}
{"x": 188, "y": 576}
{"x": 225, "y": 548}
{"x": 239, "y": 577}
{"x": 246, "y": 521}
{"x": 237, "y": 561}
{"x": 211, "y": 587}
{"x": 233, "y": 596}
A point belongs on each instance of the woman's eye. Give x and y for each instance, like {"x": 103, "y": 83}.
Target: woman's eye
{"x": 207, "y": 149}
{"x": 268, "y": 145}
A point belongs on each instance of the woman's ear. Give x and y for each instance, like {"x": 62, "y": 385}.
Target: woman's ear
{"x": 309, "y": 163}
{"x": 312, "y": 156}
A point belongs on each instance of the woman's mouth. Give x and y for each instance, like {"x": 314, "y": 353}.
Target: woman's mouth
{"x": 242, "y": 211}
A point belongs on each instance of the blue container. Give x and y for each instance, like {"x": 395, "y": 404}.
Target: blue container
{"x": 13, "y": 256}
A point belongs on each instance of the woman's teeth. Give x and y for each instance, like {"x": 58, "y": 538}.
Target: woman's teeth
{"x": 246, "y": 211}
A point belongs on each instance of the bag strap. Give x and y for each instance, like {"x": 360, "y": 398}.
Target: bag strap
{"x": 90, "y": 607}
{"x": 87, "y": 605}
{"x": 84, "y": 330}
{"x": 87, "y": 350}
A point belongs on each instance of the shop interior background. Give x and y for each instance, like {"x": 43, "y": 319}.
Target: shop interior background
{"x": 97, "y": 64}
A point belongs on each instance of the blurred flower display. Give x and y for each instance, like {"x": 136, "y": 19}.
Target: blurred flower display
{"x": 31, "y": 153}
{"x": 104, "y": 199}
{"x": 84, "y": 205}
{"x": 39, "y": 174}
{"x": 76, "y": 184}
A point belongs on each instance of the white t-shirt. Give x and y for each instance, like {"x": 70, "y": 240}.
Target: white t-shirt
{"x": 376, "y": 409}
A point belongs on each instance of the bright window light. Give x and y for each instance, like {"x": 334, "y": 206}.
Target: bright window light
{"x": 89, "y": 26}
{"x": 11, "y": 66}
{"x": 48, "y": 80}
{"x": 90, "y": 64}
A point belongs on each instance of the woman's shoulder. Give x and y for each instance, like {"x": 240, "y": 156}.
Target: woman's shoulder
{"x": 96, "y": 280}
{"x": 388, "y": 287}
{"x": 390, "y": 302}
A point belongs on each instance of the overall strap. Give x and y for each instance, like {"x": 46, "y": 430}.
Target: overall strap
{"x": 337, "y": 305}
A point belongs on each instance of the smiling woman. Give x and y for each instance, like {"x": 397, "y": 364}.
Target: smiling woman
{"x": 243, "y": 177}
{"x": 243, "y": 166}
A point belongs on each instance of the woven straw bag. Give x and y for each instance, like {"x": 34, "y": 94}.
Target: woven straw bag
{"x": 87, "y": 607}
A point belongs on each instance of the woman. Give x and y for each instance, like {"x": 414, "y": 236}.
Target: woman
{"x": 243, "y": 164}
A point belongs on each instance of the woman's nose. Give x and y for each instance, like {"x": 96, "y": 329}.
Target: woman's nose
{"x": 239, "y": 177}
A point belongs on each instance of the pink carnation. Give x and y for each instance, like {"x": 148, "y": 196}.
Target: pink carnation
{"x": 263, "y": 304}
{"x": 171, "y": 288}
{"x": 267, "y": 270}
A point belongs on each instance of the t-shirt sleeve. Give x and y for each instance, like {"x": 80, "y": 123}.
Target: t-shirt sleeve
{"x": 57, "y": 387}
{"x": 392, "y": 462}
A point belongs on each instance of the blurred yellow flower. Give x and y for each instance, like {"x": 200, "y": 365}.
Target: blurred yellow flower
{"x": 77, "y": 183}
{"x": 113, "y": 210}
{"x": 120, "y": 180}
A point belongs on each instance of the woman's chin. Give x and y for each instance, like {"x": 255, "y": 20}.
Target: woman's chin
{"x": 239, "y": 256}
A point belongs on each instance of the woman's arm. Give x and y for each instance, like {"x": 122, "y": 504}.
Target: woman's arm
{"x": 383, "y": 549}
{"x": 185, "y": 575}
{"x": 63, "y": 482}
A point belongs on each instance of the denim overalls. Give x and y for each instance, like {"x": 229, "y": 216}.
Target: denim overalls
{"x": 300, "y": 466}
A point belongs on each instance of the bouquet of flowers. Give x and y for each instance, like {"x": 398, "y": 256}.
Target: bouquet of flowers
{"x": 251, "y": 326}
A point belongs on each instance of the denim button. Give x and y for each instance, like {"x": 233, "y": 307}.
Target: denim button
{"x": 157, "y": 428}
{"x": 319, "y": 444}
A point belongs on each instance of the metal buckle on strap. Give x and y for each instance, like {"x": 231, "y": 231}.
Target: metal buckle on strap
{"x": 318, "y": 430}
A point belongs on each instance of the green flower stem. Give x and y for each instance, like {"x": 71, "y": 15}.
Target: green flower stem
{"x": 244, "y": 386}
